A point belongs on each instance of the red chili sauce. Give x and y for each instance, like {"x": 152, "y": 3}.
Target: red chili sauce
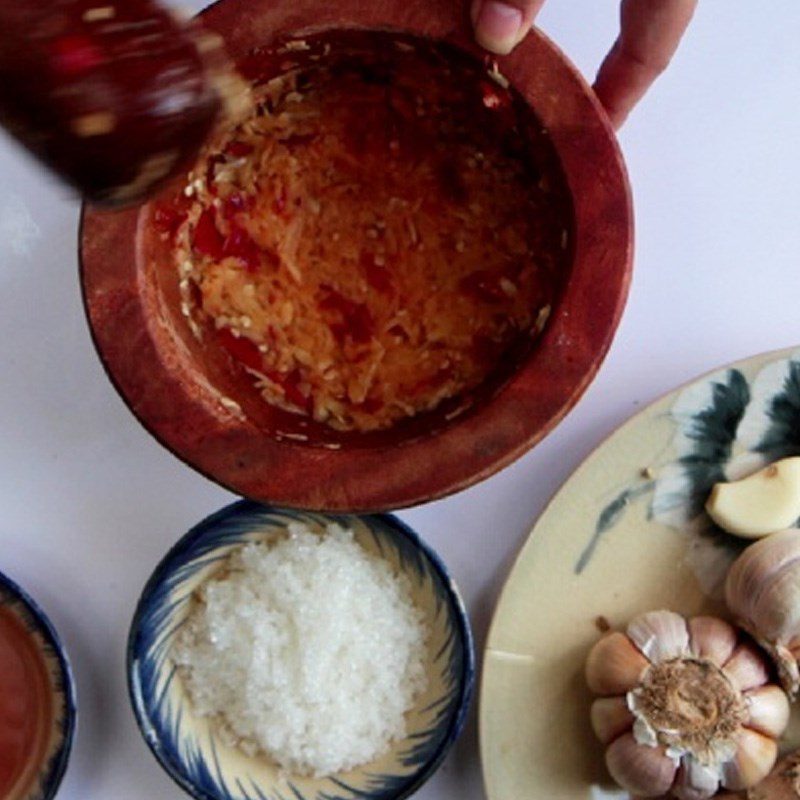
{"x": 25, "y": 706}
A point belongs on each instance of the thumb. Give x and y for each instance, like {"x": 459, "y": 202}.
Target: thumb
{"x": 501, "y": 24}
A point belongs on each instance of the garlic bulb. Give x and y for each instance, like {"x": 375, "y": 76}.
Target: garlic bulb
{"x": 685, "y": 707}
{"x": 763, "y": 593}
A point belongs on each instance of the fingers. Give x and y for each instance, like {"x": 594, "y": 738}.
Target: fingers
{"x": 650, "y": 31}
{"x": 501, "y": 24}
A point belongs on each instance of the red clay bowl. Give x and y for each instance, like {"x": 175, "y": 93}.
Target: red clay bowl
{"x": 177, "y": 391}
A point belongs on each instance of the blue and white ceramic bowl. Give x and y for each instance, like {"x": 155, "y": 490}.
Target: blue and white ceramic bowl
{"x": 187, "y": 746}
{"x": 38, "y": 662}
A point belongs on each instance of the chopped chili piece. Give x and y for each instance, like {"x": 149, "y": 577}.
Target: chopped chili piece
{"x": 168, "y": 219}
{"x": 238, "y": 149}
{"x": 399, "y": 331}
{"x": 238, "y": 244}
{"x": 356, "y": 321}
{"x": 339, "y": 331}
{"x": 334, "y": 301}
{"x": 254, "y": 67}
{"x": 290, "y": 383}
{"x": 362, "y": 326}
{"x": 494, "y": 96}
{"x": 208, "y": 241}
{"x": 241, "y": 348}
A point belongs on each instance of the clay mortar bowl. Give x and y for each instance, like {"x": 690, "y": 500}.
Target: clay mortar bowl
{"x": 176, "y": 389}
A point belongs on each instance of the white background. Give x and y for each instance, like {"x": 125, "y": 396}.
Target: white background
{"x": 89, "y": 502}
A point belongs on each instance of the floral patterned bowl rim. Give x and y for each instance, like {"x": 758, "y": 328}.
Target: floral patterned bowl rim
{"x": 32, "y": 616}
{"x": 196, "y": 547}
{"x": 626, "y": 533}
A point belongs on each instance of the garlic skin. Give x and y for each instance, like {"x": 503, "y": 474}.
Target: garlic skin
{"x": 783, "y": 783}
{"x": 763, "y": 593}
{"x": 685, "y": 707}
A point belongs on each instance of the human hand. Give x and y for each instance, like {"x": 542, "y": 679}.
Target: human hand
{"x": 650, "y": 31}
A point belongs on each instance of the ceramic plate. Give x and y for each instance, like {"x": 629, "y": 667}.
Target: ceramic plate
{"x": 627, "y": 533}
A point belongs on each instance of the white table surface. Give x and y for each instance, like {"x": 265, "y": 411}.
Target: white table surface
{"x": 89, "y": 502}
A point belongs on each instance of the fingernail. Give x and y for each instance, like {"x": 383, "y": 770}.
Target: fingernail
{"x": 497, "y": 26}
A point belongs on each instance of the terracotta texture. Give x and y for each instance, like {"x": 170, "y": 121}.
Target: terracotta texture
{"x": 179, "y": 397}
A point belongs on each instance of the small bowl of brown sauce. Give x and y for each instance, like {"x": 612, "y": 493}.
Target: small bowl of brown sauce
{"x": 37, "y": 699}
{"x": 389, "y": 276}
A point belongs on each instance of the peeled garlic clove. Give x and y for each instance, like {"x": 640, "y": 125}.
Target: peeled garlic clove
{"x": 610, "y": 718}
{"x": 660, "y": 635}
{"x": 763, "y": 503}
{"x": 755, "y": 757}
{"x": 752, "y": 574}
{"x": 768, "y": 710}
{"x": 614, "y": 665}
{"x": 711, "y": 638}
{"x": 642, "y": 770}
{"x": 746, "y": 668}
{"x": 695, "y": 781}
